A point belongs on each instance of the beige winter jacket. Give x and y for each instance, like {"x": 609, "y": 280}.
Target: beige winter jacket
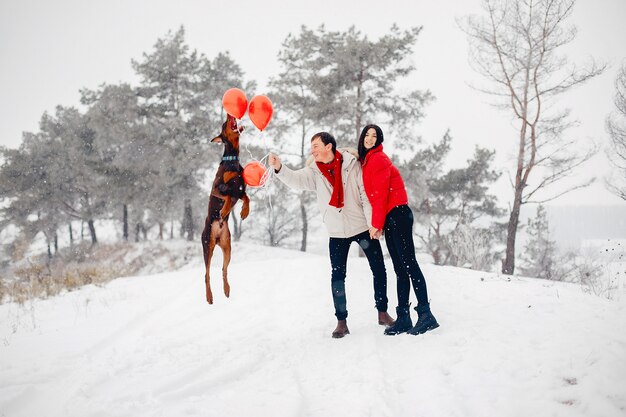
{"x": 356, "y": 214}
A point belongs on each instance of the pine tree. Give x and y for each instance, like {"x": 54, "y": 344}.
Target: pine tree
{"x": 445, "y": 201}
{"x": 81, "y": 186}
{"x": 539, "y": 258}
{"x": 339, "y": 81}
{"x": 122, "y": 145}
{"x": 362, "y": 84}
{"x": 181, "y": 95}
{"x": 298, "y": 91}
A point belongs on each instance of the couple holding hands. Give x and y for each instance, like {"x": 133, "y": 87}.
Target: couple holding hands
{"x": 361, "y": 197}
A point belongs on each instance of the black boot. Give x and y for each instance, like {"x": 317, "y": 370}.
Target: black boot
{"x": 425, "y": 321}
{"x": 403, "y": 322}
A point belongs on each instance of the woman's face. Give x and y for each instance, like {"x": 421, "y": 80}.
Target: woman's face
{"x": 370, "y": 138}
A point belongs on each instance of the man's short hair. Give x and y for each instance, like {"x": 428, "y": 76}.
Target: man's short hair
{"x": 326, "y": 138}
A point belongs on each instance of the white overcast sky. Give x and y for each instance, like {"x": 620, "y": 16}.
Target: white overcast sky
{"x": 51, "y": 49}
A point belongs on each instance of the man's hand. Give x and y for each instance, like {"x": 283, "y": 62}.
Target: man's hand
{"x": 274, "y": 162}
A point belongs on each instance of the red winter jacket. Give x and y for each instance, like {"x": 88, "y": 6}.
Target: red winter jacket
{"x": 383, "y": 185}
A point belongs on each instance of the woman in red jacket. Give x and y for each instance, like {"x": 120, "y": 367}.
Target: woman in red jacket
{"x": 391, "y": 213}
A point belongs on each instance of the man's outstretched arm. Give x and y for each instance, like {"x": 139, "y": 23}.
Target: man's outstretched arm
{"x": 302, "y": 179}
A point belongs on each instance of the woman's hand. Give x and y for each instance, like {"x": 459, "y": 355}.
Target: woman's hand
{"x": 375, "y": 233}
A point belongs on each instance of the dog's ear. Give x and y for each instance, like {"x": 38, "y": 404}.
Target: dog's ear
{"x": 217, "y": 139}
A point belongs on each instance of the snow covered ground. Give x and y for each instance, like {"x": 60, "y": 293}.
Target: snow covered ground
{"x": 151, "y": 346}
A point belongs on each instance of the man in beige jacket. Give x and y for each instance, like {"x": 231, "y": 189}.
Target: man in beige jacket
{"x": 336, "y": 178}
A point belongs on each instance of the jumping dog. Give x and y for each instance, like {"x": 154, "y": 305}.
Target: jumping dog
{"x": 228, "y": 187}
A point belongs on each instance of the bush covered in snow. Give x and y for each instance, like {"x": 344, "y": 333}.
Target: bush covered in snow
{"x": 40, "y": 277}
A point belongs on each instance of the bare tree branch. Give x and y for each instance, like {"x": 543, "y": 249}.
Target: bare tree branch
{"x": 616, "y": 126}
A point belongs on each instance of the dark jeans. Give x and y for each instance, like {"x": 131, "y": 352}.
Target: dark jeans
{"x": 338, "y": 250}
{"x": 399, "y": 239}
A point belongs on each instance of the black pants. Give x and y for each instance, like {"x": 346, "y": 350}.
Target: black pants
{"x": 399, "y": 239}
{"x": 338, "y": 249}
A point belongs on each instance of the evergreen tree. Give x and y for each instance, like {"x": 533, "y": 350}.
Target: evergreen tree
{"x": 446, "y": 201}
{"x": 31, "y": 189}
{"x": 52, "y": 178}
{"x": 78, "y": 177}
{"x": 298, "y": 91}
{"x": 362, "y": 83}
{"x": 122, "y": 144}
{"x": 339, "y": 81}
{"x": 181, "y": 95}
{"x": 539, "y": 258}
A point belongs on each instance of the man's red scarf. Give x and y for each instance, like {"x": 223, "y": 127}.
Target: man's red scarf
{"x": 332, "y": 172}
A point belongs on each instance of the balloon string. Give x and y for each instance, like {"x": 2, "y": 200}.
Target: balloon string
{"x": 266, "y": 179}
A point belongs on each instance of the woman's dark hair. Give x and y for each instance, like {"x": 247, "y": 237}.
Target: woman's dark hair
{"x": 361, "y": 146}
{"x": 326, "y": 138}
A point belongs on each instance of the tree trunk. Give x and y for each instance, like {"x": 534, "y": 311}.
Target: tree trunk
{"x": 188, "y": 220}
{"x": 359, "y": 116}
{"x": 305, "y": 220}
{"x": 436, "y": 254}
{"x": 305, "y": 223}
{"x": 71, "y": 234}
{"x": 172, "y": 229}
{"x": 125, "y": 221}
{"x": 508, "y": 266}
{"x": 56, "y": 243}
{"x": 92, "y": 232}
{"x": 358, "y": 111}
{"x": 161, "y": 226}
{"x": 436, "y": 249}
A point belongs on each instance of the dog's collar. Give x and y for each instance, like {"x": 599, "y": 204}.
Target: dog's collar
{"x": 229, "y": 158}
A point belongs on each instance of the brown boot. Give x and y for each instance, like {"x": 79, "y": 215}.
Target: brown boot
{"x": 341, "y": 330}
{"x": 384, "y": 319}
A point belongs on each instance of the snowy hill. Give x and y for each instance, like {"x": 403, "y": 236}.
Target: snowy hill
{"x": 151, "y": 346}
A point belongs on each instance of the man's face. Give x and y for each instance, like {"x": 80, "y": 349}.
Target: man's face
{"x": 321, "y": 153}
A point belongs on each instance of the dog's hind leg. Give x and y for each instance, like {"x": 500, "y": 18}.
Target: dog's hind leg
{"x": 213, "y": 240}
{"x": 207, "y": 277}
{"x": 205, "y": 237}
{"x": 207, "y": 251}
{"x": 245, "y": 210}
{"x": 224, "y": 243}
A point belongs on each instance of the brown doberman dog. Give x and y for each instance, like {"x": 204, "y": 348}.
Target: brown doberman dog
{"x": 228, "y": 187}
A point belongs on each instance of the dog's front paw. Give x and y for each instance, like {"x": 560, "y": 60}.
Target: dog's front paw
{"x": 244, "y": 212}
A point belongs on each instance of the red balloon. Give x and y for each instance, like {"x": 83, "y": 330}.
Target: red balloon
{"x": 260, "y": 111}
{"x": 254, "y": 174}
{"x": 235, "y": 102}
